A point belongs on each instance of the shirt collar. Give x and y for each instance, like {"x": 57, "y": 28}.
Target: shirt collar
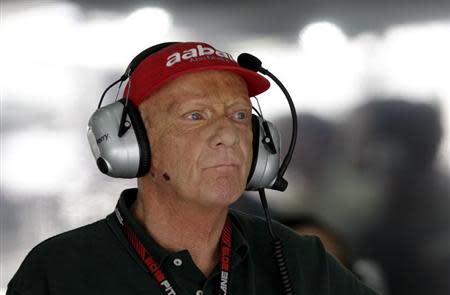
{"x": 128, "y": 197}
{"x": 240, "y": 244}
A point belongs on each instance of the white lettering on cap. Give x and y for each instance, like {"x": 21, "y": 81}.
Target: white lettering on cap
{"x": 195, "y": 52}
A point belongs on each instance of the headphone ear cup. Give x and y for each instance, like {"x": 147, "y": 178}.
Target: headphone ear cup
{"x": 141, "y": 136}
{"x": 127, "y": 156}
{"x": 265, "y": 165}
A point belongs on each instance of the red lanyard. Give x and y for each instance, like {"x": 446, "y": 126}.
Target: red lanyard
{"x": 156, "y": 271}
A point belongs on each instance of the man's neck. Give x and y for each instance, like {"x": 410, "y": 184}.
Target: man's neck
{"x": 179, "y": 225}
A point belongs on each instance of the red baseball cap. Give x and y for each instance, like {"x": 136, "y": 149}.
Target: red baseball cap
{"x": 181, "y": 58}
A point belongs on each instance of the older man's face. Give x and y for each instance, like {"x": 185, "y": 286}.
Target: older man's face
{"x": 199, "y": 128}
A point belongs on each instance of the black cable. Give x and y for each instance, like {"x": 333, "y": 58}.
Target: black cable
{"x": 278, "y": 254}
{"x": 277, "y": 249}
{"x": 259, "y": 114}
{"x": 262, "y": 196}
{"x": 109, "y": 87}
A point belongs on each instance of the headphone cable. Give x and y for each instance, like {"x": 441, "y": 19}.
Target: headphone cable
{"x": 106, "y": 90}
{"x": 277, "y": 249}
{"x": 288, "y": 157}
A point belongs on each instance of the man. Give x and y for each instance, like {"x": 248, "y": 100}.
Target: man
{"x": 175, "y": 233}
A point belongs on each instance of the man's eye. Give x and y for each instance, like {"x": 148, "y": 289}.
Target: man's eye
{"x": 241, "y": 115}
{"x": 194, "y": 116}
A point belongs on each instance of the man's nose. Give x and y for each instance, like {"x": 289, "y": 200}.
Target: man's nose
{"x": 224, "y": 133}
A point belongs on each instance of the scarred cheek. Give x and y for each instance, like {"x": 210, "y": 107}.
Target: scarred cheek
{"x": 164, "y": 151}
{"x": 164, "y": 136}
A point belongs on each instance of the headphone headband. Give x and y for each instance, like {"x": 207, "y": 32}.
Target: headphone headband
{"x": 144, "y": 54}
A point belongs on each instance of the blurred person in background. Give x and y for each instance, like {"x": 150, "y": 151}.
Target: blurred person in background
{"x": 395, "y": 143}
{"x": 174, "y": 233}
{"x": 332, "y": 241}
{"x": 375, "y": 180}
{"x": 312, "y": 173}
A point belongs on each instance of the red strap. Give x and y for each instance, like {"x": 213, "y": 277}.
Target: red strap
{"x": 158, "y": 274}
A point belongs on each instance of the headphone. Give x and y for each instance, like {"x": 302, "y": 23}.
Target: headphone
{"x": 121, "y": 147}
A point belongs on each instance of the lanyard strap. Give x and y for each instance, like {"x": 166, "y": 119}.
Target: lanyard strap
{"x": 155, "y": 269}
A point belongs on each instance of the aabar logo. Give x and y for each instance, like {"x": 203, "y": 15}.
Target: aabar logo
{"x": 194, "y": 53}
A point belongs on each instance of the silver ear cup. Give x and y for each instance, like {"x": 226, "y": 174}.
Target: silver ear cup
{"x": 116, "y": 156}
{"x": 266, "y": 165}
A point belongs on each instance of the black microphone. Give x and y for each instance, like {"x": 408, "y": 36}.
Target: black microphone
{"x": 250, "y": 62}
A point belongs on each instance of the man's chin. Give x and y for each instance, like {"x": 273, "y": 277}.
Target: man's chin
{"x": 224, "y": 193}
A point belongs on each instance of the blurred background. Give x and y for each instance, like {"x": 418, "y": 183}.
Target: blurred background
{"x": 369, "y": 80}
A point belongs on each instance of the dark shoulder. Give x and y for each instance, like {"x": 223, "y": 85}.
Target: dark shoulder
{"x": 82, "y": 238}
{"x": 56, "y": 253}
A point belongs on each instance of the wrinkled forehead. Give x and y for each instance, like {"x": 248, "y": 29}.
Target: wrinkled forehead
{"x": 210, "y": 87}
